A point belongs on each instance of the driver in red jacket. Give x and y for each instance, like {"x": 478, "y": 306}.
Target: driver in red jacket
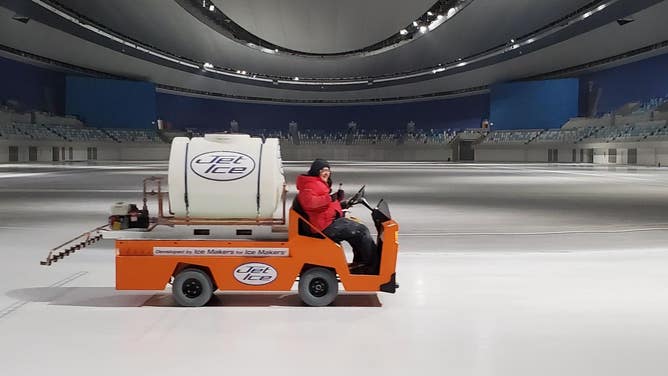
{"x": 324, "y": 211}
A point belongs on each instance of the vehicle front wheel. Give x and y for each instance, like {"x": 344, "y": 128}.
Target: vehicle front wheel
{"x": 192, "y": 288}
{"x": 318, "y": 287}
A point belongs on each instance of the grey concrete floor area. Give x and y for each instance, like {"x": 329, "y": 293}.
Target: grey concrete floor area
{"x": 505, "y": 269}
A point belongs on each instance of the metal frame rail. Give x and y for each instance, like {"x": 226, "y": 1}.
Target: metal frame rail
{"x": 73, "y": 245}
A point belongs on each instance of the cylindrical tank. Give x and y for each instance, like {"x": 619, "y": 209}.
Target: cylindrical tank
{"x": 225, "y": 176}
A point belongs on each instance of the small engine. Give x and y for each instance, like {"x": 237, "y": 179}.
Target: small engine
{"x": 124, "y": 216}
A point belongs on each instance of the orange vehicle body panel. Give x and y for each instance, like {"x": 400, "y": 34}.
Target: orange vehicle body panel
{"x": 137, "y": 268}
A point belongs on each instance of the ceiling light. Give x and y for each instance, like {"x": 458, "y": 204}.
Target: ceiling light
{"x": 208, "y": 65}
{"x": 439, "y": 17}
{"x": 512, "y": 41}
{"x": 423, "y": 29}
{"x": 296, "y": 78}
{"x": 624, "y": 21}
{"x": 438, "y": 70}
{"x": 586, "y": 15}
{"x": 462, "y": 64}
{"x": 451, "y": 12}
{"x": 238, "y": 71}
{"x": 601, "y": 7}
{"x": 243, "y": 72}
{"x": 403, "y": 31}
{"x": 430, "y": 13}
{"x": 20, "y": 18}
{"x": 212, "y": 8}
{"x": 415, "y": 23}
{"x": 203, "y": 3}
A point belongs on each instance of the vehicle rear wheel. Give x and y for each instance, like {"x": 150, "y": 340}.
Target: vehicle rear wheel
{"x": 192, "y": 288}
{"x": 318, "y": 287}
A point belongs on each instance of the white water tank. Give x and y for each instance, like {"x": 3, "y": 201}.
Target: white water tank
{"x": 225, "y": 176}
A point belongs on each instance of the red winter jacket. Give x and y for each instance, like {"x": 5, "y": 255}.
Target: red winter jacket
{"x": 316, "y": 202}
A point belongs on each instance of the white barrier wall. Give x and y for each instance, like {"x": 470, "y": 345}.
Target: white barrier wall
{"x": 495, "y": 154}
{"x": 80, "y": 151}
{"x": 422, "y": 152}
{"x": 648, "y": 153}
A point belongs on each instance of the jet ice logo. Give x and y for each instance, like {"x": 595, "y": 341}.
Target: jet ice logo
{"x": 222, "y": 165}
{"x": 255, "y": 273}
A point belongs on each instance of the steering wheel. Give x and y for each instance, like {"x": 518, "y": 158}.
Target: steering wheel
{"x": 357, "y": 197}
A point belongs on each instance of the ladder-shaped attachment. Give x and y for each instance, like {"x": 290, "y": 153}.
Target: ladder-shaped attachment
{"x": 71, "y": 246}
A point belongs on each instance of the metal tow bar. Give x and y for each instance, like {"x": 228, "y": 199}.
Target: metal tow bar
{"x": 71, "y": 246}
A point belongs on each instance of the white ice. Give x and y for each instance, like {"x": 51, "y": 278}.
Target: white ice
{"x": 504, "y": 270}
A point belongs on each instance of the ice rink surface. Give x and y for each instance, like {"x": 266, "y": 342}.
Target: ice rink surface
{"x": 505, "y": 269}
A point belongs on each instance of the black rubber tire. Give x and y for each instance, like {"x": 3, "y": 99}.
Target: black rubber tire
{"x": 192, "y": 288}
{"x": 318, "y": 287}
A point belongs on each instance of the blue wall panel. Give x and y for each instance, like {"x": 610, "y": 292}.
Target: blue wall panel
{"x": 34, "y": 88}
{"x": 111, "y": 103}
{"x": 533, "y": 104}
{"x": 184, "y": 112}
{"x": 639, "y": 81}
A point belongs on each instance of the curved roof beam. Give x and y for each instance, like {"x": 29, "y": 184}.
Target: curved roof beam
{"x": 209, "y": 14}
{"x": 554, "y": 32}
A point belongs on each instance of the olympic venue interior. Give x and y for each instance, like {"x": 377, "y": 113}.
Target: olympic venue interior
{"x": 522, "y": 147}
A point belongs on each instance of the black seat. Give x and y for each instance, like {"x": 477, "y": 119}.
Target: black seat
{"x": 304, "y": 228}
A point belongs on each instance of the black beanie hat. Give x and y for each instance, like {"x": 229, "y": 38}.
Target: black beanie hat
{"x": 316, "y": 166}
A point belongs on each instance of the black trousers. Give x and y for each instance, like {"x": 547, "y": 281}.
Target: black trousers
{"x": 358, "y": 236}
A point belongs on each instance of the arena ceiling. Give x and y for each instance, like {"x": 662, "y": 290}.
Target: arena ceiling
{"x": 325, "y": 51}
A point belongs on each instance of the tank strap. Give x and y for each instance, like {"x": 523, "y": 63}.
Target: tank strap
{"x": 185, "y": 177}
{"x": 259, "y": 176}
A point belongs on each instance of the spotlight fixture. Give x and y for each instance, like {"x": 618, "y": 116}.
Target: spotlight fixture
{"x": 587, "y": 14}
{"x": 212, "y": 8}
{"x": 423, "y": 29}
{"x": 451, "y": 12}
{"x": 439, "y": 17}
{"x": 208, "y": 65}
{"x": 22, "y": 19}
{"x": 624, "y": 21}
{"x": 296, "y": 78}
{"x": 403, "y": 31}
{"x": 430, "y": 13}
{"x": 415, "y": 23}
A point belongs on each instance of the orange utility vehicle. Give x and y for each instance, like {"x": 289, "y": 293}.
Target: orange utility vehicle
{"x": 196, "y": 267}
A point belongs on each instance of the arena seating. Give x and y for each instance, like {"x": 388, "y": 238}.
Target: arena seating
{"x": 523, "y": 136}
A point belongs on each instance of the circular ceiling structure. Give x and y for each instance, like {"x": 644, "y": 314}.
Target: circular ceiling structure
{"x": 326, "y": 49}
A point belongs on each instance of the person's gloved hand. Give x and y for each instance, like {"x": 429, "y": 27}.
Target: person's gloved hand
{"x": 344, "y": 204}
{"x": 338, "y": 195}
